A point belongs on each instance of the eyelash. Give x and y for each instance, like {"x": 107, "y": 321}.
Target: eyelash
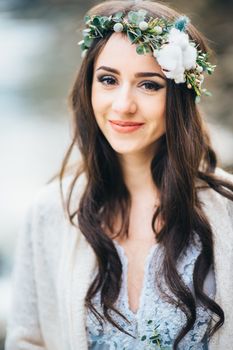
{"x": 106, "y": 78}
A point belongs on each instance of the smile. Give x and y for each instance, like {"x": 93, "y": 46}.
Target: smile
{"x": 125, "y": 127}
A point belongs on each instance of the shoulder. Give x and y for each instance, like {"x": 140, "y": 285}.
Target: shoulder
{"x": 214, "y": 202}
{"x": 48, "y": 200}
{"x": 46, "y": 226}
{"x": 46, "y": 220}
{"x": 219, "y": 174}
{"x": 224, "y": 175}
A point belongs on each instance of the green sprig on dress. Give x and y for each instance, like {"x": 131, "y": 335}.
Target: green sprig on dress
{"x": 153, "y": 339}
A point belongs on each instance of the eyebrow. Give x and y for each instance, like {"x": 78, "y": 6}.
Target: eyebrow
{"x": 137, "y": 75}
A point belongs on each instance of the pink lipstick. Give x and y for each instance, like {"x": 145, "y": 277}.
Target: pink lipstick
{"x": 125, "y": 126}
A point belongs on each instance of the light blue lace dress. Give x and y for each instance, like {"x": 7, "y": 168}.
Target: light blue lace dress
{"x": 156, "y": 323}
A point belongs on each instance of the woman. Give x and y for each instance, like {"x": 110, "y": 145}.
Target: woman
{"x": 144, "y": 257}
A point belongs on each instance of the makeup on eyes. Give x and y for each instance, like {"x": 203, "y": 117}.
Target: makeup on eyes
{"x": 109, "y": 80}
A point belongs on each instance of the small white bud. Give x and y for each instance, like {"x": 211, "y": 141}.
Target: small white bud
{"x": 189, "y": 86}
{"x": 201, "y": 77}
{"x": 143, "y": 25}
{"x": 158, "y": 29}
{"x": 118, "y": 27}
{"x": 86, "y": 31}
{"x": 199, "y": 69}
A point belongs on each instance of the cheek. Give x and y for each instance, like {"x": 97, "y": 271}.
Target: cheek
{"x": 99, "y": 106}
{"x": 162, "y": 120}
{"x": 94, "y": 98}
{"x": 156, "y": 111}
{"x": 98, "y": 100}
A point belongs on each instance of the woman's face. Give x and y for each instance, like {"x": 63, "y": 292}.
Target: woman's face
{"x": 128, "y": 97}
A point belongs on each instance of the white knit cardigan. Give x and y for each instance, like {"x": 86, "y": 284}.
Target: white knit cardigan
{"x": 54, "y": 265}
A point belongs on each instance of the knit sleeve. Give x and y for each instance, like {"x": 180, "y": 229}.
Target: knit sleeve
{"x": 23, "y": 327}
{"x": 229, "y": 203}
{"x": 230, "y": 211}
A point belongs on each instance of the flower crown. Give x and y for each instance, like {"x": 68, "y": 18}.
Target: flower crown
{"x": 179, "y": 58}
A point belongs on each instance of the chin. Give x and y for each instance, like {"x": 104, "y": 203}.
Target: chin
{"x": 127, "y": 150}
{"x": 122, "y": 146}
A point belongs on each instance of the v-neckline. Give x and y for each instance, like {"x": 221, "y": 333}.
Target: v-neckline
{"x": 123, "y": 256}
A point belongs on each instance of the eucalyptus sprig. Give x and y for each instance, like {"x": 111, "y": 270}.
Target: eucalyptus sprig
{"x": 154, "y": 339}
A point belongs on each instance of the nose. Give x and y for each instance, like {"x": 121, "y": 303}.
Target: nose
{"x": 124, "y": 101}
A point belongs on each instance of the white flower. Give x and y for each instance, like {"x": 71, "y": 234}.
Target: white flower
{"x": 118, "y": 27}
{"x": 180, "y": 78}
{"x": 177, "y": 56}
{"x": 169, "y": 56}
{"x": 170, "y": 60}
{"x": 179, "y": 38}
{"x": 189, "y": 57}
{"x": 143, "y": 25}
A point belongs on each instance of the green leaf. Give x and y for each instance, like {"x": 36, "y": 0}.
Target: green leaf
{"x": 87, "y": 18}
{"x": 118, "y": 16}
{"x": 143, "y": 338}
{"x": 142, "y": 12}
{"x": 146, "y": 49}
{"x": 149, "y": 322}
{"x": 207, "y": 93}
{"x": 131, "y": 36}
{"x": 138, "y": 31}
{"x": 88, "y": 41}
{"x": 140, "y": 49}
{"x": 83, "y": 46}
{"x": 155, "y": 337}
{"x": 105, "y": 22}
{"x": 97, "y": 21}
{"x": 157, "y": 326}
{"x": 133, "y": 17}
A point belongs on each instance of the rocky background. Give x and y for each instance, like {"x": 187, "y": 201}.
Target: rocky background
{"x": 39, "y": 58}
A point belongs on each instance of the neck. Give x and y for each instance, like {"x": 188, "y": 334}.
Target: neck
{"x": 137, "y": 174}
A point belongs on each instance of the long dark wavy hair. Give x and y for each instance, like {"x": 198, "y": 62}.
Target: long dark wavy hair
{"x": 183, "y": 158}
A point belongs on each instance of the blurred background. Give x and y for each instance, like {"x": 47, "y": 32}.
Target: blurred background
{"x": 39, "y": 58}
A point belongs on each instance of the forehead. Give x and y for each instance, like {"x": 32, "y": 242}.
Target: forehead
{"x": 120, "y": 53}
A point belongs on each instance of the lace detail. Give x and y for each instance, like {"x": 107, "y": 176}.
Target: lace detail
{"x": 156, "y": 323}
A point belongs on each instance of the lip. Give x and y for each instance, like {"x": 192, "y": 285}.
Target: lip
{"x": 125, "y": 127}
{"x": 125, "y": 123}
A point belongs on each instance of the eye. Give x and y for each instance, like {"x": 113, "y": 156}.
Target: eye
{"x": 106, "y": 79}
{"x": 151, "y": 85}
{"x": 109, "y": 80}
